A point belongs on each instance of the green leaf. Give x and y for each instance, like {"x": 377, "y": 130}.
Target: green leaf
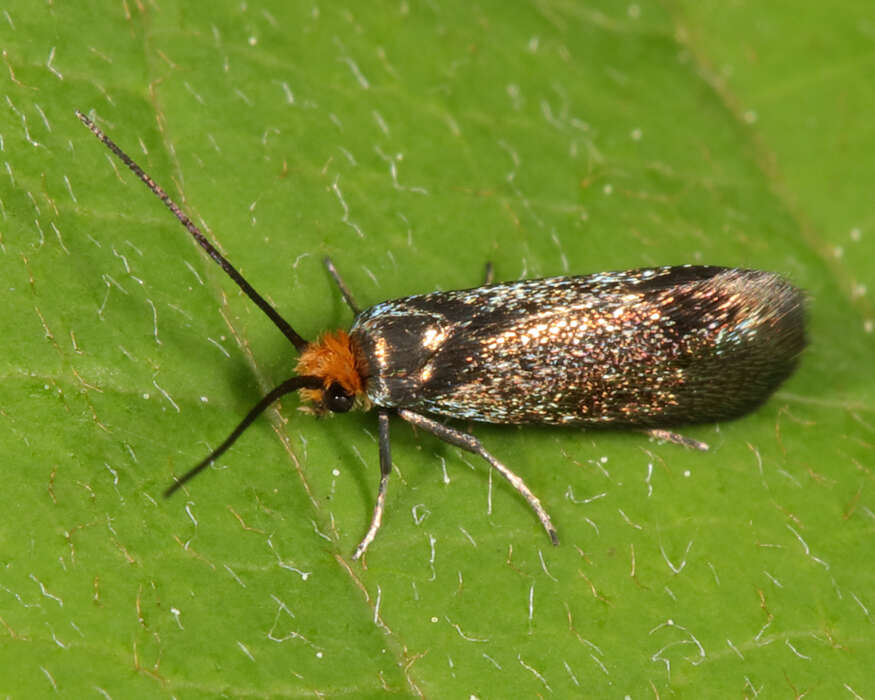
{"x": 412, "y": 143}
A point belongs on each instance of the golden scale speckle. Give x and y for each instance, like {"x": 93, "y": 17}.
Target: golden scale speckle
{"x": 645, "y": 347}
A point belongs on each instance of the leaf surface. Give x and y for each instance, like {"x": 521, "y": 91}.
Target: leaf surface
{"x": 412, "y": 144}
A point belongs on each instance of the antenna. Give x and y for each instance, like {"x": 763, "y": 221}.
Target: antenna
{"x": 287, "y": 387}
{"x": 295, "y": 339}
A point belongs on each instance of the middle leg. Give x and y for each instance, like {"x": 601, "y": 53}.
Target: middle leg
{"x": 472, "y": 444}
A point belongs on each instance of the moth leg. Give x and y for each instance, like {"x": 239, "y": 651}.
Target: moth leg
{"x": 385, "y": 470}
{"x": 677, "y": 439}
{"x": 344, "y": 290}
{"x": 488, "y": 273}
{"x": 472, "y": 444}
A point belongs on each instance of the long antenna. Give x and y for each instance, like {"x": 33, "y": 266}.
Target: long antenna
{"x": 288, "y": 386}
{"x": 296, "y": 340}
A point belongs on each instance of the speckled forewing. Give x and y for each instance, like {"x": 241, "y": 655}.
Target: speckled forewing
{"x": 645, "y": 347}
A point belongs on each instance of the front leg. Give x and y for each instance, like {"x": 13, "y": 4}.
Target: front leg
{"x": 385, "y": 470}
{"x": 341, "y": 285}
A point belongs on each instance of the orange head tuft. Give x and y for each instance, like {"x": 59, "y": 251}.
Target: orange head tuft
{"x": 336, "y": 359}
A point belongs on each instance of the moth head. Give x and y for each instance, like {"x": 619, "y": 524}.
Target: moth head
{"x": 338, "y": 362}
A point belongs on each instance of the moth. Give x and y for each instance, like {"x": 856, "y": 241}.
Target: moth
{"x": 647, "y": 349}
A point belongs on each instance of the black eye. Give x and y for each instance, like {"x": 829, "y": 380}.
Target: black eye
{"x": 337, "y": 399}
